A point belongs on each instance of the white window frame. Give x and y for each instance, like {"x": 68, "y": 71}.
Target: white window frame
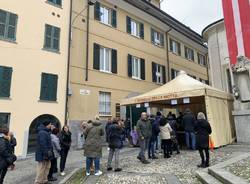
{"x": 159, "y": 74}
{"x": 136, "y": 68}
{"x": 135, "y": 28}
{"x": 189, "y": 53}
{"x": 105, "y": 60}
{"x": 104, "y": 103}
{"x": 105, "y": 16}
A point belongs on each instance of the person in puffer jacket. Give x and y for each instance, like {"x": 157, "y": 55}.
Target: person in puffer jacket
{"x": 7, "y": 157}
{"x": 56, "y": 153}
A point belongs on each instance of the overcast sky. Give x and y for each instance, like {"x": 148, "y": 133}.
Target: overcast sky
{"x": 196, "y": 14}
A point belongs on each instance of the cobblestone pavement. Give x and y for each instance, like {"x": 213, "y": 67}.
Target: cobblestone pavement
{"x": 182, "y": 166}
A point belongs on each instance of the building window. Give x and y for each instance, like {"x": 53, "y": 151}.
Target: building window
{"x": 136, "y": 67}
{"x": 135, "y": 28}
{"x": 189, "y": 53}
{"x": 52, "y": 38}
{"x": 201, "y": 59}
{"x": 105, "y": 59}
{"x": 104, "y": 103}
{"x": 48, "y": 87}
{"x": 4, "y": 119}
{"x": 157, "y": 38}
{"x": 159, "y": 73}
{"x": 229, "y": 81}
{"x": 192, "y": 76}
{"x": 105, "y": 15}
{"x": 57, "y": 2}
{"x": 174, "y": 73}
{"x": 175, "y": 47}
{"x": 8, "y": 23}
{"x": 203, "y": 81}
{"x": 5, "y": 81}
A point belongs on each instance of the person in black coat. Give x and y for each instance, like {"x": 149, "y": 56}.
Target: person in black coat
{"x": 203, "y": 130}
{"x": 189, "y": 124}
{"x": 174, "y": 137}
{"x": 12, "y": 141}
{"x": 115, "y": 144}
{"x": 65, "y": 141}
{"x": 7, "y": 157}
{"x": 44, "y": 152}
{"x": 155, "y": 133}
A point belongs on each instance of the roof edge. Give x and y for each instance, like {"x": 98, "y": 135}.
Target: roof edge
{"x": 210, "y": 25}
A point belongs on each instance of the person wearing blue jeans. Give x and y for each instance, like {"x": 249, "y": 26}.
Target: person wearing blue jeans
{"x": 189, "y": 125}
{"x": 190, "y": 140}
{"x": 89, "y": 162}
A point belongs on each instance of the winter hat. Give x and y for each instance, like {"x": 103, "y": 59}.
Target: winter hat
{"x": 158, "y": 113}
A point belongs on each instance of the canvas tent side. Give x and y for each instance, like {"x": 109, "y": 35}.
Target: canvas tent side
{"x": 218, "y": 104}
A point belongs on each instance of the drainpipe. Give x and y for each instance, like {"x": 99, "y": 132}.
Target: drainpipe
{"x": 87, "y": 46}
{"x": 68, "y": 66}
{"x": 167, "y": 53}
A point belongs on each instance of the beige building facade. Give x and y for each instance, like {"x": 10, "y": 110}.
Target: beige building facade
{"x": 125, "y": 48}
{"x": 33, "y": 67}
{"x": 219, "y": 62}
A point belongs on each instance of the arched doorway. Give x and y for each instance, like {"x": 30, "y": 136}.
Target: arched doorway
{"x": 33, "y": 129}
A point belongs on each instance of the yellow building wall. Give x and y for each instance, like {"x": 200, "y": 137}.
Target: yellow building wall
{"x": 28, "y": 60}
{"x": 120, "y": 85}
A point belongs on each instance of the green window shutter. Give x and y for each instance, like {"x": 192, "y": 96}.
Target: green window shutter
{"x": 53, "y": 87}
{"x": 114, "y": 61}
{"x": 171, "y": 44}
{"x": 152, "y": 35}
{"x": 3, "y": 18}
{"x": 192, "y": 55}
{"x": 164, "y": 74}
{"x": 141, "y": 30}
{"x": 179, "y": 49}
{"x": 154, "y": 72}
{"x": 162, "y": 40}
{"x": 5, "y": 81}
{"x": 142, "y": 69}
{"x": 129, "y": 65}
{"x": 97, "y": 11}
{"x": 59, "y": 2}
{"x": 44, "y": 95}
{"x": 128, "y": 25}
{"x": 172, "y": 73}
{"x": 96, "y": 63}
{"x": 48, "y": 36}
{"x": 186, "y": 54}
{"x": 114, "y": 18}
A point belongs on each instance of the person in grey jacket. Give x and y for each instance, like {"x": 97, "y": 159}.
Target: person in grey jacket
{"x": 56, "y": 153}
{"x": 144, "y": 130}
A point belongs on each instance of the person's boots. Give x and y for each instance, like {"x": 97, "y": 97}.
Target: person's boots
{"x": 202, "y": 165}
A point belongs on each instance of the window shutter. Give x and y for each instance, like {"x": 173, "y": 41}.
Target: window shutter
{"x": 171, "y": 44}
{"x": 172, "y": 74}
{"x": 186, "y": 54}
{"x": 179, "y": 49}
{"x": 114, "y": 18}
{"x": 154, "y": 72}
{"x": 192, "y": 55}
{"x": 5, "y": 81}
{"x": 129, "y": 65}
{"x": 162, "y": 39}
{"x": 96, "y": 63}
{"x": 12, "y": 26}
{"x": 97, "y": 11}
{"x": 114, "y": 61}
{"x": 142, "y": 69}
{"x": 3, "y": 18}
{"x": 128, "y": 25}
{"x": 152, "y": 35}
{"x": 44, "y": 87}
{"x": 53, "y": 80}
{"x": 59, "y": 2}
{"x": 164, "y": 74}
{"x": 141, "y": 30}
{"x": 56, "y": 38}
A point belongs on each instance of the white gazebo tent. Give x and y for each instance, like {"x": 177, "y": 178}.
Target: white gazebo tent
{"x": 186, "y": 92}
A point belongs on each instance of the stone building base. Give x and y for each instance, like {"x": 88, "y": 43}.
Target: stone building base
{"x": 242, "y": 125}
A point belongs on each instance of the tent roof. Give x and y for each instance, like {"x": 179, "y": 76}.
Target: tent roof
{"x": 180, "y": 87}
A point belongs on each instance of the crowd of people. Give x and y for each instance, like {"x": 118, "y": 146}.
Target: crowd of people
{"x": 154, "y": 134}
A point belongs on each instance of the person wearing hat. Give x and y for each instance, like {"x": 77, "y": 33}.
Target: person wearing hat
{"x": 44, "y": 152}
{"x": 7, "y": 157}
